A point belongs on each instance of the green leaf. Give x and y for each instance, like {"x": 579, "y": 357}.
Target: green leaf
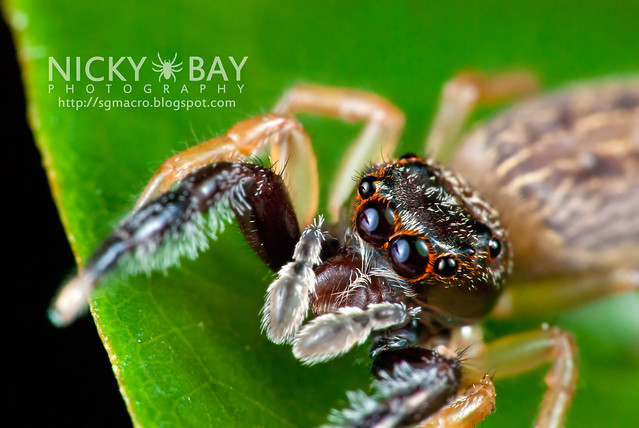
{"x": 186, "y": 347}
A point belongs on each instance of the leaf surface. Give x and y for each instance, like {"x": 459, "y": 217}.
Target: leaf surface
{"x": 186, "y": 347}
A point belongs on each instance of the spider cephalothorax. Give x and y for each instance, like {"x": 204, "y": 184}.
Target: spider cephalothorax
{"x": 418, "y": 259}
{"x": 445, "y": 245}
{"x": 419, "y": 236}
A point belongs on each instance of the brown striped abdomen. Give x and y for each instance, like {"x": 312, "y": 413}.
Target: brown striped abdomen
{"x": 563, "y": 171}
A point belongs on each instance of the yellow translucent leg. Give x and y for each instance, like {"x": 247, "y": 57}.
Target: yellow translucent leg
{"x": 289, "y": 144}
{"x": 474, "y": 402}
{"x": 377, "y": 141}
{"x": 518, "y": 353}
{"x": 525, "y": 299}
{"x": 459, "y": 98}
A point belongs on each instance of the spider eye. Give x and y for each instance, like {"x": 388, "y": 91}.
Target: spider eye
{"x": 494, "y": 247}
{"x": 409, "y": 255}
{"x": 367, "y": 187}
{"x": 494, "y": 244}
{"x": 446, "y": 266}
{"x": 375, "y": 222}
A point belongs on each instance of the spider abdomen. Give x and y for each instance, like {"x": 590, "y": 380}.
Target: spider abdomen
{"x": 567, "y": 167}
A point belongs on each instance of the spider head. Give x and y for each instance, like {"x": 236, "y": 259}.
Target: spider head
{"x": 438, "y": 239}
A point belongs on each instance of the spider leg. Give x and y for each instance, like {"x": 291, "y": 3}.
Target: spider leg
{"x": 473, "y": 402}
{"x": 518, "y": 353}
{"x": 530, "y": 298}
{"x": 504, "y": 357}
{"x": 289, "y": 144}
{"x": 412, "y": 384}
{"x": 377, "y": 141}
{"x": 330, "y": 335}
{"x": 420, "y": 386}
{"x": 459, "y": 98}
{"x": 164, "y": 229}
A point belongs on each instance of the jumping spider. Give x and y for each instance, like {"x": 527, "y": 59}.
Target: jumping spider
{"x": 413, "y": 258}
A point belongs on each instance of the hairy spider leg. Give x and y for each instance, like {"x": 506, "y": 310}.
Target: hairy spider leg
{"x": 476, "y": 396}
{"x": 377, "y": 141}
{"x": 419, "y": 386}
{"x": 411, "y": 384}
{"x": 172, "y": 225}
{"x": 508, "y": 356}
{"x": 461, "y": 95}
{"x": 474, "y": 401}
{"x": 290, "y": 148}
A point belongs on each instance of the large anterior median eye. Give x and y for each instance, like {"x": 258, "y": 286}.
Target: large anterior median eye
{"x": 409, "y": 255}
{"x": 375, "y": 222}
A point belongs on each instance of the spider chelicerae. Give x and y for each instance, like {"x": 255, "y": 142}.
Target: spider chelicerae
{"x": 412, "y": 258}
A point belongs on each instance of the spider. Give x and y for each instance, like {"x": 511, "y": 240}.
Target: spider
{"x": 412, "y": 258}
{"x": 167, "y": 69}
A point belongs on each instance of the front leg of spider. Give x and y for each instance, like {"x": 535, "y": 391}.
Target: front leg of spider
{"x": 179, "y": 222}
{"x": 411, "y": 382}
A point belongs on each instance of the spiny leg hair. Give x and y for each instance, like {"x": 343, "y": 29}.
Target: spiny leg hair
{"x": 287, "y": 298}
{"x": 330, "y": 335}
{"x": 158, "y": 234}
{"x": 415, "y": 384}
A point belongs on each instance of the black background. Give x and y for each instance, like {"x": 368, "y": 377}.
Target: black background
{"x": 57, "y": 377}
